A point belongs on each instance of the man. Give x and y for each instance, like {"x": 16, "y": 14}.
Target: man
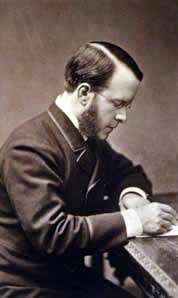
{"x": 62, "y": 184}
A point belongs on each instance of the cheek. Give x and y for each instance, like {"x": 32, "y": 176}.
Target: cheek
{"x": 105, "y": 119}
{"x": 108, "y": 114}
{"x": 105, "y": 114}
{"x": 107, "y": 111}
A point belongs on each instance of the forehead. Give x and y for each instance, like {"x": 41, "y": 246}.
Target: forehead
{"x": 123, "y": 84}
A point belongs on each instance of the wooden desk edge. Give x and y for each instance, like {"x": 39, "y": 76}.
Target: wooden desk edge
{"x": 154, "y": 270}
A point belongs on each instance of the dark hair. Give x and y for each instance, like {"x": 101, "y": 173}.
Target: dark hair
{"x": 91, "y": 65}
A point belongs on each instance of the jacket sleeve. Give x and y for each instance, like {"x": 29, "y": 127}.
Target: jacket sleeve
{"x": 122, "y": 173}
{"x": 34, "y": 182}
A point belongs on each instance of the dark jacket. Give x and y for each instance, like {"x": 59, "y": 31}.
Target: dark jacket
{"x": 52, "y": 184}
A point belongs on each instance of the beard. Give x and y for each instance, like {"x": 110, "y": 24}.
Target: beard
{"x": 88, "y": 122}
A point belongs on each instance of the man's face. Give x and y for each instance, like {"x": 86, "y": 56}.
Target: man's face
{"x": 109, "y": 107}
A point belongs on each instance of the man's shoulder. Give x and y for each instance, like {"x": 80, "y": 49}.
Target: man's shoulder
{"x": 29, "y": 129}
{"x": 32, "y": 134}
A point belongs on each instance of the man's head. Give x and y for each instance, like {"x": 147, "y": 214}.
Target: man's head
{"x": 104, "y": 79}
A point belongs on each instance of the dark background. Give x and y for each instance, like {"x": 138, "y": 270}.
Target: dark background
{"x": 36, "y": 38}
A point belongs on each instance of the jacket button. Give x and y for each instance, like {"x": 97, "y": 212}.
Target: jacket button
{"x": 105, "y": 198}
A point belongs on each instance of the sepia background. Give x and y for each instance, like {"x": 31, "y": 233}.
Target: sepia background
{"x": 37, "y": 37}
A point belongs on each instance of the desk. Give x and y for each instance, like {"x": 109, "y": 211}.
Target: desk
{"x": 153, "y": 262}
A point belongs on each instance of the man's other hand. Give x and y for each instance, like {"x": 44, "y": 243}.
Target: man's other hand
{"x": 132, "y": 200}
{"x": 156, "y": 218}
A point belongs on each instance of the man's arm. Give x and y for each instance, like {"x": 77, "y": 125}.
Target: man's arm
{"x": 133, "y": 190}
{"x": 133, "y": 197}
{"x": 32, "y": 176}
{"x": 129, "y": 181}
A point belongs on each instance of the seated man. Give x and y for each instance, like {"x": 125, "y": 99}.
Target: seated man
{"x": 61, "y": 184}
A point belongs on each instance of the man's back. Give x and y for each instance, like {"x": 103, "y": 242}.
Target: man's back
{"x": 20, "y": 261}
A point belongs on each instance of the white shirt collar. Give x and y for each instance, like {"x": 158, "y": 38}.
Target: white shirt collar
{"x": 66, "y": 110}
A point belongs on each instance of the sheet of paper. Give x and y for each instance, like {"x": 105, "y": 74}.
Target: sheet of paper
{"x": 172, "y": 232}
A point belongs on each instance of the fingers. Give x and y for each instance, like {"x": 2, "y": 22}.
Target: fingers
{"x": 169, "y": 213}
{"x": 163, "y": 227}
{"x": 167, "y": 209}
{"x": 168, "y": 217}
{"x": 164, "y": 230}
{"x": 166, "y": 225}
{"x": 156, "y": 218}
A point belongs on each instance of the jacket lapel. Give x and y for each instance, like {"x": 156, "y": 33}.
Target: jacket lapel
{"x": 98, "y": 172}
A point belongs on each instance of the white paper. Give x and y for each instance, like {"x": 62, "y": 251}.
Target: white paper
{"x": 172, "y": 232}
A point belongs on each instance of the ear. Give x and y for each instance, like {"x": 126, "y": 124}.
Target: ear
{"x": 85, "y": 95}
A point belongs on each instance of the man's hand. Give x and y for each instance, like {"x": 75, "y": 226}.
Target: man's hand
{"x": 132, "y": 200}
{"x": 156, "y": 218}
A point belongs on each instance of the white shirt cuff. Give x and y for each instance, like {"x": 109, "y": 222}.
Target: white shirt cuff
{"x": 135, "y": 190}
{"x": 133, "y": 224}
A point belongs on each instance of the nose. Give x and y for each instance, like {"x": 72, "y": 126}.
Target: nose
{"x": 121, "y": 115}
